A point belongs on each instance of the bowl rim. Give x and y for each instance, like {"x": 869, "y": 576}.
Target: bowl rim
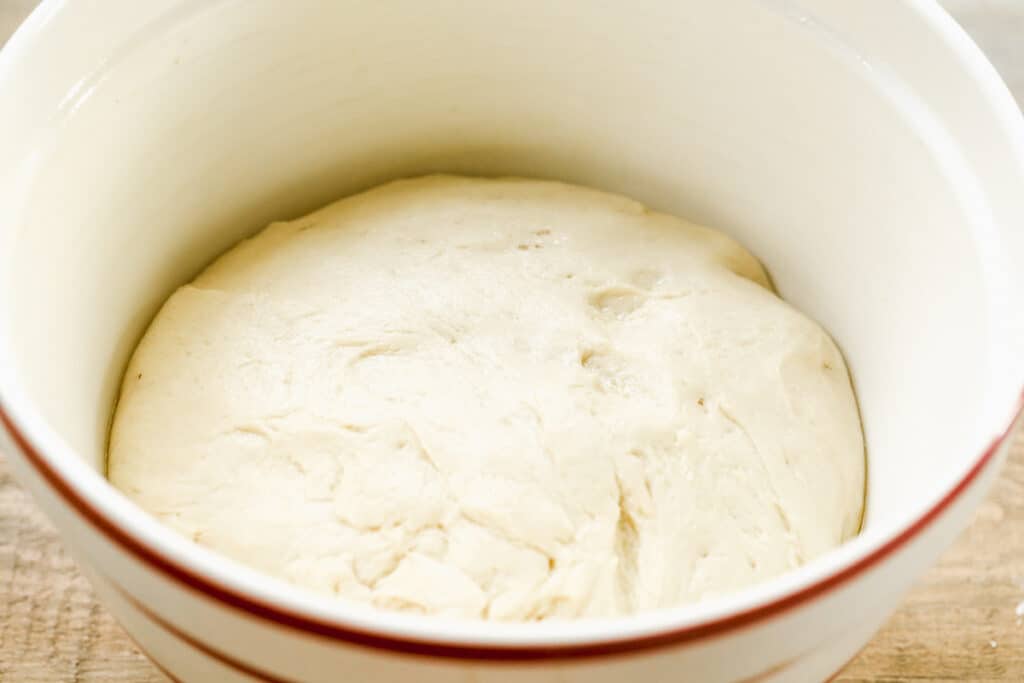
{"x": 169, "y": 565}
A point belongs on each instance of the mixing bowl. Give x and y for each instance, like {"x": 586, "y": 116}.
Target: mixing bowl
{"x": 866, "y": 151}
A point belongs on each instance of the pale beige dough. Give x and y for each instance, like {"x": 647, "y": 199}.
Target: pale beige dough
{"x": 507, "y": 399}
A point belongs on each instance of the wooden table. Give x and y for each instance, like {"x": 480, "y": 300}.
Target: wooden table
{"x": 959, "y": 624}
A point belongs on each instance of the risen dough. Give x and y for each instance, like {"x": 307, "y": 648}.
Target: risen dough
{"x": 493, "y": 398}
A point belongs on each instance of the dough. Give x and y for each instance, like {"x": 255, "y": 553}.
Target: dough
{"x": 507, "y": 399}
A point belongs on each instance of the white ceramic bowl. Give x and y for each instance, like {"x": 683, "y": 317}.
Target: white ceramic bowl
{"x": 865, "y": 150}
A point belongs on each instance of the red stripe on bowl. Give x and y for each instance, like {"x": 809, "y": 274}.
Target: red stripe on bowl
{"x": 338, "y": 629}
{"x": 258, "y": 674}
{"x": 191, "y": 642}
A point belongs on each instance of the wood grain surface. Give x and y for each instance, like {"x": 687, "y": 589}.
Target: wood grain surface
{"x": 958, "y": 624}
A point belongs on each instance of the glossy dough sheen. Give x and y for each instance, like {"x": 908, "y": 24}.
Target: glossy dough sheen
{"x": 493, "y": 398}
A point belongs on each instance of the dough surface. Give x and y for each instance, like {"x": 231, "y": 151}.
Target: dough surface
{"x": 506, "y": 399}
